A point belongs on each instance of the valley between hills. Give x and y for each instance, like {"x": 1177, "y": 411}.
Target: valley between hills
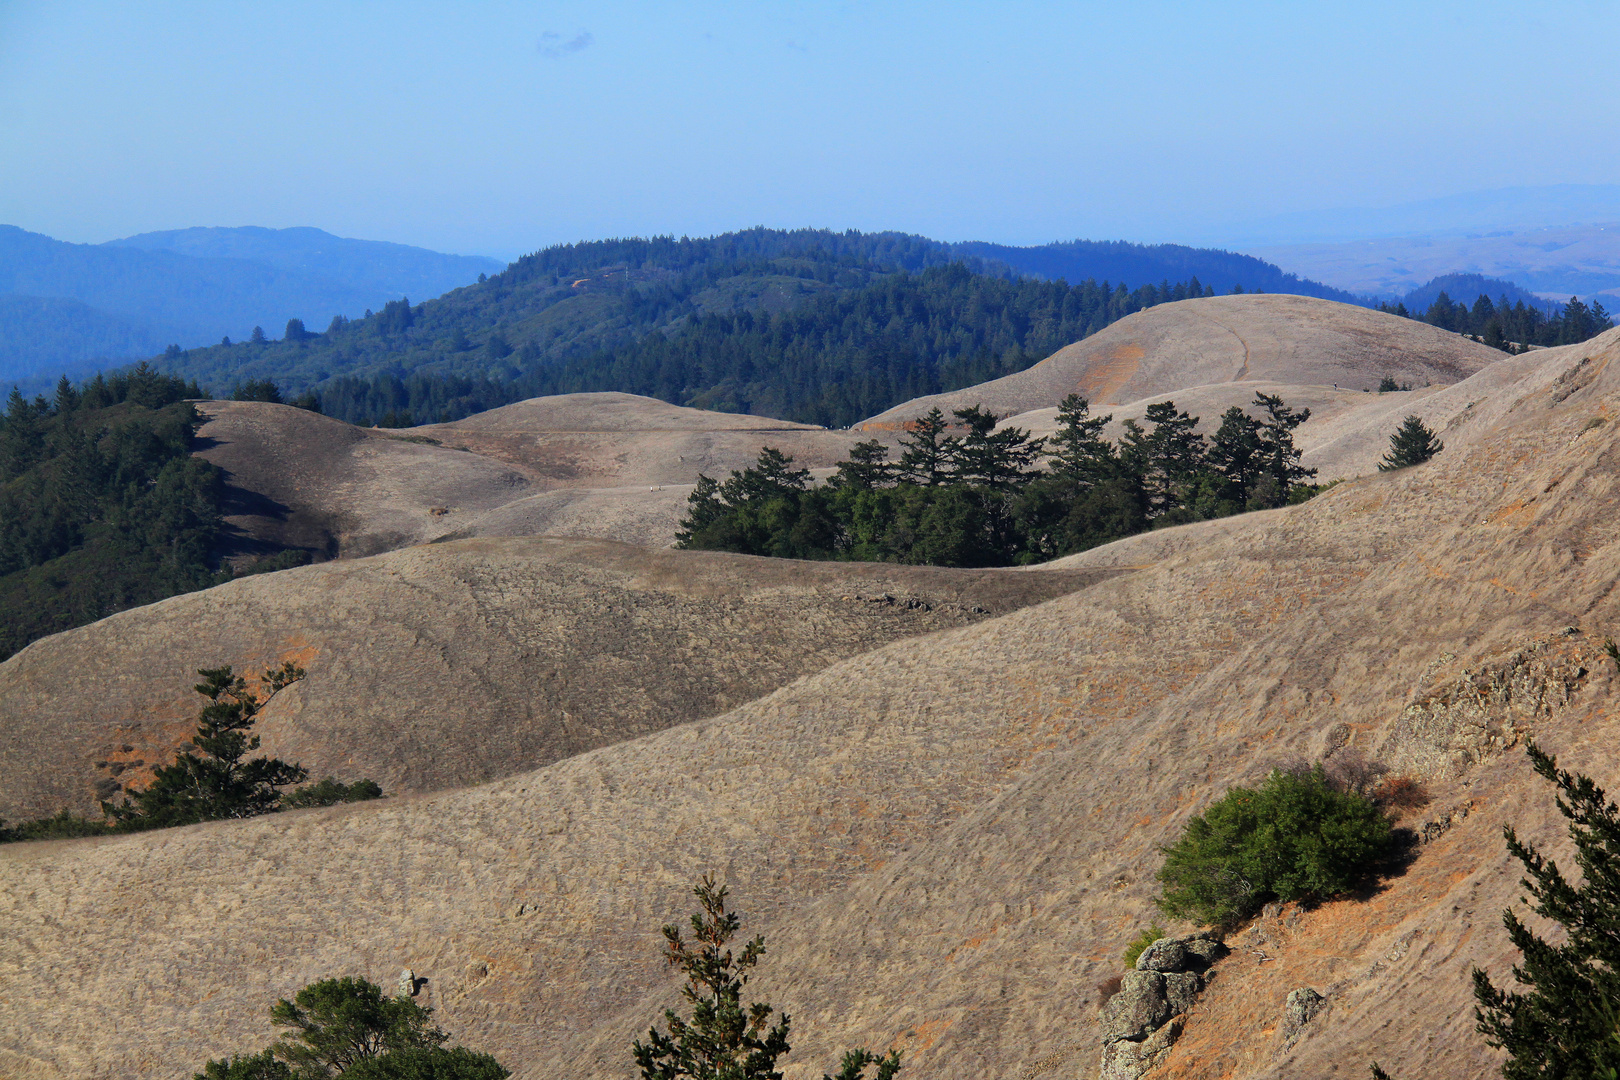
{"x": 939, "y": 793}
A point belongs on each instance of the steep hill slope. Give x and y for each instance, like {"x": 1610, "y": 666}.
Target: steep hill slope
{"x": 454, "y": 663}
{"x": 1286, "y": 339}
{"x": 947, "y": 840}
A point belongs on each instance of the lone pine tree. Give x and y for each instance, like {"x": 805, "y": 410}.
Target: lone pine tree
{"x": 221, "y": 781}
{"x": 1566, "y": 1024}
{"x": 1412, "y": 445}
{"x": 724, "y": 1039}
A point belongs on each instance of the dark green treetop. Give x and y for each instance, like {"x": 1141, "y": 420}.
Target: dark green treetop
{"x": 1001, "y": 460}
{"x": 335, "y": 1024}
{"x": 1412, "y": 444}
{"x": 926, "y": 450}
{"x": 221, "y": 781}
{"x": 724, "y": 1039}
{"x": 1081, "y": 457}
{"x": 1565, "y": 1024}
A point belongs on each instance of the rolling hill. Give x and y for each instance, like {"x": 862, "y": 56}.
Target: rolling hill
{"x": 1228, "y": 339}
{"x": 946, "y": 839}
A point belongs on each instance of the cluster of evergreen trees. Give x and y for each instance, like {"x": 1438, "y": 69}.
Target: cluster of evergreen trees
{"x": 979, "y": 499}
{"x": 102, "y": 504}
{"x": 1511, "y": 326}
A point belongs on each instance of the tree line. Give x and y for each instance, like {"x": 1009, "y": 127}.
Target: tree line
{"x": 990, "y": 496}
{"x": 102, "y": 504}
{"x": 1511, "y": 327}
{"x": 833, "y": 360}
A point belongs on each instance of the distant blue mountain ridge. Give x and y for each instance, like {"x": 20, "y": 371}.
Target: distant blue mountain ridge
{"x": 75, "y": 307}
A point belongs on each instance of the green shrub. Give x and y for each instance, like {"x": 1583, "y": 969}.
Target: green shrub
{"x": 63, "y": 826}
{"x": 1292, "y": 838}
{"x": 1141, "y": 942}
{"x": 328, "y": 792}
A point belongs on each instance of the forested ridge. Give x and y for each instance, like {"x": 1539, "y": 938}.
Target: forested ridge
{"x": 727, "y": 322}
{"x": 102, "y": 504}
{"x": 833, "y": 360}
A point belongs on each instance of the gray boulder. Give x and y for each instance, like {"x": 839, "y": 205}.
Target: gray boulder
{"x": 1129, "y": 1060}
{"x": 1181, "y": 990}
{"x": 1203, "y": 950}
{"x": 1166, "y": 954}
{"x": 1140, "y": 1008}
{"x": 1303, "y": 1006}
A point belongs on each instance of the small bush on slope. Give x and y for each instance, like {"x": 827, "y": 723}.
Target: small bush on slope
{"x": 1292, "y": 838}
{"x": 328, "y": 792}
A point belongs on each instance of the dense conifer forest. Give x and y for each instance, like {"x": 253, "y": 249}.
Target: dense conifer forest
{"x": 812, "y": 325}
{"x": 102, "y": 504}
{"x": 1511, "y": 327}
{"x": 969, "y": 494}
{"x": 833, "y": 360}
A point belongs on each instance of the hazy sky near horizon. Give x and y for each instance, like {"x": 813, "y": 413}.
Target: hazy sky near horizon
{"x": 498, "y": 128}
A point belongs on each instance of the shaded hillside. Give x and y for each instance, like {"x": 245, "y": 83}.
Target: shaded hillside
{"x": 947, "y": 841}
{"x": 454, "y": 663}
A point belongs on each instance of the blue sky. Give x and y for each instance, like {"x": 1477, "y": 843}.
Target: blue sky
{"x": 498, "y": 128}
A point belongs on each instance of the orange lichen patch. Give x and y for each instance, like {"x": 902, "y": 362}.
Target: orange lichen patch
{"x": 1107, "y": 375}
{"x": 1521, "y": 509}
{"x": 920, "y": 1036}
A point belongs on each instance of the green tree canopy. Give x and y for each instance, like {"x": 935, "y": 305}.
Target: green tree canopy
{"x": 221, "y": 781}
{"x": 725, "y": 1039}
{"x": 335, "y": 1024}
{"x": 1565, "y": 1022}
{"x": 1413, "y": 444}
{"x": 1294, "y": 837}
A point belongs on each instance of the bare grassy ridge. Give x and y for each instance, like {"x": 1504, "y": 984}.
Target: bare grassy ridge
{"x": 1295, "y": 340}
{"x": 455, "y": 663}
{"x": 946, "y": 840}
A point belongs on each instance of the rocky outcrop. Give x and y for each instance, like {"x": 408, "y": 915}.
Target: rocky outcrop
{"x": 1142, "y": 1021}
{"x": 1303, "y": 1006}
